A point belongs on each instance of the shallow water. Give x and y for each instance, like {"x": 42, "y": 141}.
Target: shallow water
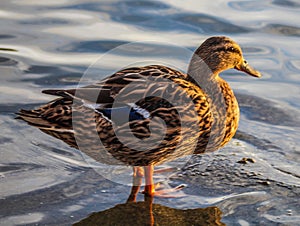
{"x": 46, "y": 45}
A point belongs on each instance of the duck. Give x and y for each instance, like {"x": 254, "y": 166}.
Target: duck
{"x": 144, "y": 116}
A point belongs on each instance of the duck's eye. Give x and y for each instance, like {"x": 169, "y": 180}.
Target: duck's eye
{"x": 245, "y": 62}
{"x": 232, "y": 49}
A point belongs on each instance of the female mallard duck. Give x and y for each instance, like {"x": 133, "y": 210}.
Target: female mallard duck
{"x": 199, "y": 111}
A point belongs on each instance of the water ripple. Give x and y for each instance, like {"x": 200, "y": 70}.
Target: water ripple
{"x": 286, "y": 3}
{"x": 4, "y": 61}
{"x": 45, "y": 21}
{"x": 254, "y": 6}
{"x": 280, "y": 29}
{"x": 209, "y": 24}
{"x": 99, "y": 46}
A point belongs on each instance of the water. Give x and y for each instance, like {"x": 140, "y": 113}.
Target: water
{"x": 50, "y": 44}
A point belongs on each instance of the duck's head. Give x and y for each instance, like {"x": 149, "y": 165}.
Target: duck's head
{"x": 222, "y": 53}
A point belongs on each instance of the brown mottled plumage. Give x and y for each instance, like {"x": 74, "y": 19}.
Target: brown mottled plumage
{"x": 199, "y": 110}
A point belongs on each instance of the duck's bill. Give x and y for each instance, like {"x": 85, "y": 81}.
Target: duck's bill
{"x": 245, "y": 67}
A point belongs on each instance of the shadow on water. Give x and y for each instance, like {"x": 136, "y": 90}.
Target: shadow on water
{"x": 148, "y": 213}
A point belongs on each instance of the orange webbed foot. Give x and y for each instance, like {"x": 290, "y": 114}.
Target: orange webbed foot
{"x": 154, "y": 190}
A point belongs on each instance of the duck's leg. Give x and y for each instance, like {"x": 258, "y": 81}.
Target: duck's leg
{"x": 150, "y": 186}
{"x": 138, "y": 174}
{"x": 148, "y": 202}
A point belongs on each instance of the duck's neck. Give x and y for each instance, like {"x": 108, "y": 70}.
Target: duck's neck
{"x": 200, "y": 71}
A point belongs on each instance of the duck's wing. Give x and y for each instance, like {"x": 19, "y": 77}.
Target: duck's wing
{"x": 105, "y": 91}
{"x": 99, "y": 96}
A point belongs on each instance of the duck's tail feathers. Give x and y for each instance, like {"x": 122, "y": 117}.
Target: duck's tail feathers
{"x": 32, "y": 117}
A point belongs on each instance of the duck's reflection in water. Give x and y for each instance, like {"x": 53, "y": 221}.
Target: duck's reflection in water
{"x": 148, "y": 213}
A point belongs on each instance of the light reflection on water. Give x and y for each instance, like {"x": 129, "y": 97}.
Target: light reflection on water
{"x": 50, "y": 44}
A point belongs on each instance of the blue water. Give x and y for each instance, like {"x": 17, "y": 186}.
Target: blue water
{"x": 50, "y": 44}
